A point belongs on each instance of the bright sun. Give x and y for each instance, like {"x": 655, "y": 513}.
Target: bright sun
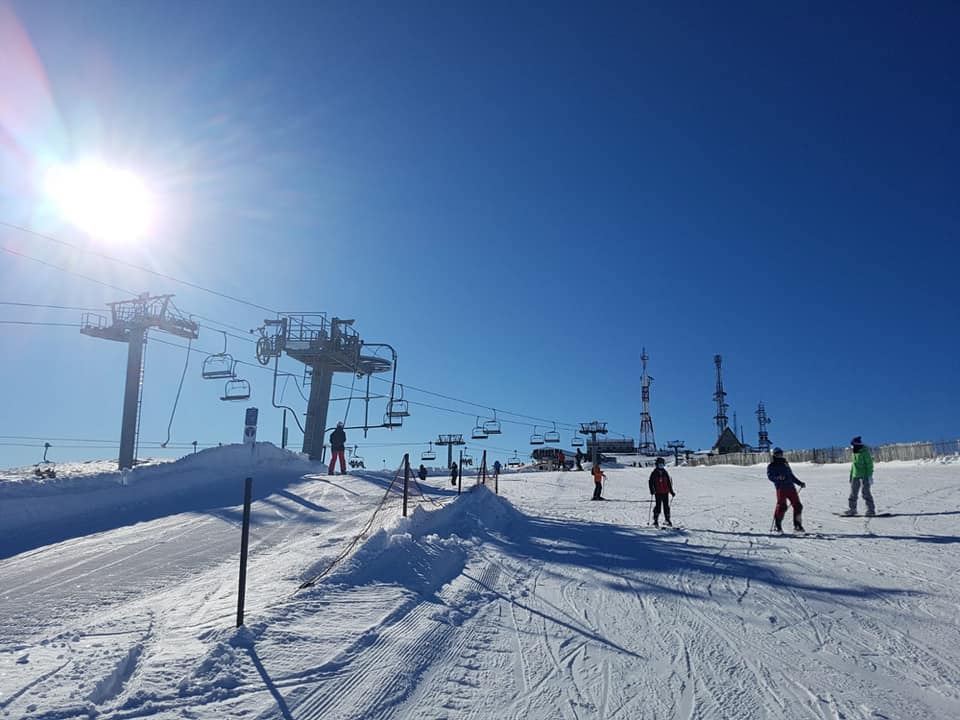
{"x": 109, "y": 204}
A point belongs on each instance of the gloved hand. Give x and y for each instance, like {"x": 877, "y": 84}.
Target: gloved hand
{"x": 672, "y": 494}
{"x": 802, "y": 484}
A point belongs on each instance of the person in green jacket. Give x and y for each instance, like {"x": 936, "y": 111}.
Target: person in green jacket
{"x": 861, "y": 477}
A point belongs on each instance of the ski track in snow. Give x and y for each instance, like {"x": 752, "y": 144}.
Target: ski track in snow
{"x": 537, "y": 605}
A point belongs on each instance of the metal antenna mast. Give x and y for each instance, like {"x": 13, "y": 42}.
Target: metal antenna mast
{"x": 763, "y": 444}
{"x": 718, "y": 396}
{"x": 647, "y": 443}
{"x": 130, "y": 320}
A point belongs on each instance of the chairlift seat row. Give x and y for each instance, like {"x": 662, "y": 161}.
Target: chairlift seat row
{"x": 492, "y": 427}
{"x": 218, "y": 367}
{"x": 551, "y": 436}
{"x": 236, "y": 389}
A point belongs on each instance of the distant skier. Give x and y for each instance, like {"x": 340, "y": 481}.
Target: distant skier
{"x": 453, "y": 473}
{"x": 422, "y": 473}
{"x": 496, "y": 469}
{"x": 598, "y": 477}
{"x": 783, "y": 479}
{"x": 661, "y": 487}
{"x": 861, "y": 477}
{"x": 579, "y": 459}
{"x": 561, "y": 461}
{"x": 338, "y": 443}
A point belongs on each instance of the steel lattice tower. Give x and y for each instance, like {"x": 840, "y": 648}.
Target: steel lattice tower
{"x": 763, "y": 444}
{"x": 718, "y": 396}
{"x": 647, "y": 443}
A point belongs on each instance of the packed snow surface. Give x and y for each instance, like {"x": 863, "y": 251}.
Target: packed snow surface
{"x": 118, "y": 595}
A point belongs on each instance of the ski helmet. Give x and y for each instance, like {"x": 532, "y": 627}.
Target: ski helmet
{"x": 778, "y": 452}
{"x": 661, "y": 461}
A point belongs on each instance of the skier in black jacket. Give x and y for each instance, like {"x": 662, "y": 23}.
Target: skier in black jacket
{"x": 661, "y": 487}
{"x": 338, "y": 443}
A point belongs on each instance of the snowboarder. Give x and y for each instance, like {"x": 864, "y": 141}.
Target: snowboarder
{"x": 422, "y": 473}
{"x": 861, "y": 478}
{"x": 338, "y": 442}
{"x": 579, "y": 459}
{"x": 561, "y": 461}
{"x": 453, "y": 472}
{"x": 783, "y": 479}
{"x": 661, "y": 487}
{"x": 598, "y": 477}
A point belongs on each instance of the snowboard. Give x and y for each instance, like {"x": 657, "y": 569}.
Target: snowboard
{"x": 840, "y": 514}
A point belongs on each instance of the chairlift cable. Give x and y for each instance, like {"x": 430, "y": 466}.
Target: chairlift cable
{"x": 176, "y": 400}
{"x": 133, "y": 266}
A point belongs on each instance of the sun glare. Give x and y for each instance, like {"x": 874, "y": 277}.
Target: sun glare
{"x": 109, "y": 204}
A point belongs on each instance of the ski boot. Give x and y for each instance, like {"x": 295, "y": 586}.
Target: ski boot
{"x": 870, "y": 513}
{"x": 777, "y": 525}
{"x": 667, "y": 523}
{"x": 849, "y": 512}
{"x": 656, "y": 522}
{"x": 797, "y": 527}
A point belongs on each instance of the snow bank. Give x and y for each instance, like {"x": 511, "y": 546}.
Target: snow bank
{"x": 92, "y": 498}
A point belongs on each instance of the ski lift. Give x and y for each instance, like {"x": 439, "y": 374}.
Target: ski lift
{"x": 492, "y": 426}
{"x": 514, "y": 461}
{"x": 356, "y": 461}
{"x": 391, "y": 421}
{"x": 219, "y": 365}
{"x": 576, "y": 441}
{"x": 479, "y": 432}
{"x": 536, "y": 438}
{"x": 236, "y": 389}
{"x": 552, "y": 436}
{"x": 428, "y": 454}
{"x": 466, "y": 459}
{"x": 398, "y": 407}
{"x": 45, "y": 468}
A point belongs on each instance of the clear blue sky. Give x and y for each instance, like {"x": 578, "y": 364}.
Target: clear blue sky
{"x": 518, "y": 199}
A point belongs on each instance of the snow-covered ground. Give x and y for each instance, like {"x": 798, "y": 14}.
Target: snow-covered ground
{"x": 119, "y": 600}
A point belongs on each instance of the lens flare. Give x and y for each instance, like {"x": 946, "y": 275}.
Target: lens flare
{"x": 109, "y": 204}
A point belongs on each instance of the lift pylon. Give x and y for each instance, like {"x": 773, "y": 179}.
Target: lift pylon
{"x": 129, "y": 322}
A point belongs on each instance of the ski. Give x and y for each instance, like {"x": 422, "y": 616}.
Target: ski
{"x": 886, "y": 514}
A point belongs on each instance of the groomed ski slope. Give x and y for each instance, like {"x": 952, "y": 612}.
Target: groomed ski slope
{"x": 120, "y": 601}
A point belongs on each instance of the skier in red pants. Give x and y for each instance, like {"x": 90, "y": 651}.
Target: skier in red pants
{"x": 782, "y": 477}
{"x": 661, "y": 487}
{"x": 338, "y": 443}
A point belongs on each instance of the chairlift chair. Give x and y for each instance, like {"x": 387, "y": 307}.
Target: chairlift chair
{"x": 356, "y": 460}
{"x": 236, "y": 389}
{"x": 479, "y": 432}
{"x": 552, "y": 436}
{"x": 45, "y": 468}
{"x": 398, "y": 407}
{"x": 576, "y": 441}
{"x": 492, "y": 426}
{"x": 391, "y": 421}
{"x": 515, "y": 460}
{"x": 467, "y": 459}
{"x": 536, "y": 438}
{"x": 219, "y": 365}
{"x": 428, "y": 455}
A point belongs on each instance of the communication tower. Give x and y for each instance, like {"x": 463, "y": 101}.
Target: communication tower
{"x": 719, "y": 396}
{"x": 647, "y": 444}
{"x": 763, "y": 444}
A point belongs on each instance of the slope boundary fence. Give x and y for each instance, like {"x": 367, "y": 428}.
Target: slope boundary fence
{"x": 823, "y": 456}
